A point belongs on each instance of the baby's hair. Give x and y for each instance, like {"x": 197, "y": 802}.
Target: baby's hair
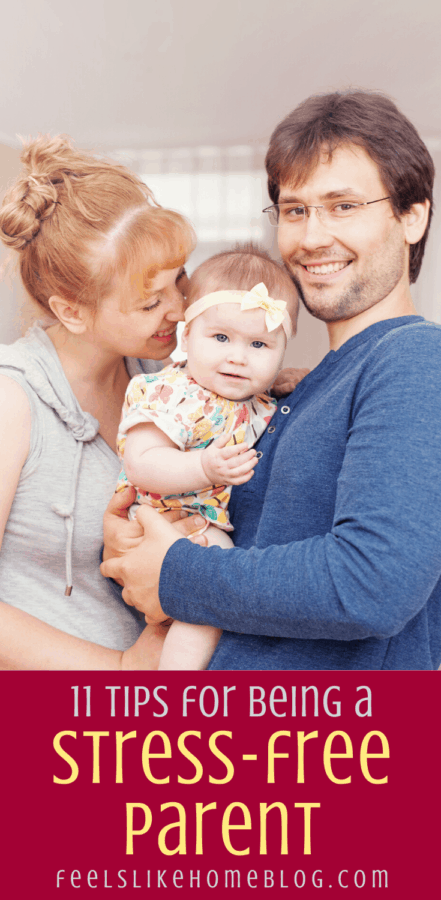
{"x": 78, "y": 221}
{"x": 240, "y": 269}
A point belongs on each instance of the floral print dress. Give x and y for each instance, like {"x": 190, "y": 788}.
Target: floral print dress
{"x": 192, "y": 417}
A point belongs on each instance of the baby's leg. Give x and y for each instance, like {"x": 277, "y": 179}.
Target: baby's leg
{"x": 218, "y": 537}
{"x": 189, "y": 646}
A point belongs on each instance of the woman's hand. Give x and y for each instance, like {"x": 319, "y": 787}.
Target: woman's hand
{"x": 287, "y": 380}
{"x": 122, "y": 535}
{"x": 139, "y": 569}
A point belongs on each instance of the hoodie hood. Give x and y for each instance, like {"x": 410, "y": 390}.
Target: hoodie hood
{"x": 36, "y": 358}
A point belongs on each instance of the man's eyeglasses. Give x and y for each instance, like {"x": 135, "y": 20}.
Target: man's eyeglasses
{"x": 289, "y": 213}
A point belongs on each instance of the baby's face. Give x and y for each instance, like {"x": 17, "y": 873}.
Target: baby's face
{"x": 231, "y": 353}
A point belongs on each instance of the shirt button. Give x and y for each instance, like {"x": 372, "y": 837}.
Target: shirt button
{"x": 259, "y": 454}
{"x": 285, "y": 410}
{"x": 271, "y": 429}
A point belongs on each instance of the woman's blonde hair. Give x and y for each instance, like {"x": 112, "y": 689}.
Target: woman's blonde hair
{"x": 79, "y": 221}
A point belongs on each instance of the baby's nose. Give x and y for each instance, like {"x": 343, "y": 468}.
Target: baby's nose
{"x": 237, "y": 353}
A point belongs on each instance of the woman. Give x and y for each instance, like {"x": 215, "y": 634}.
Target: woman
{"x": 106, "y": 264}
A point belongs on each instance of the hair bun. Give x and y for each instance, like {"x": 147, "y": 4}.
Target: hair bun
{"x": 33, "y": 198}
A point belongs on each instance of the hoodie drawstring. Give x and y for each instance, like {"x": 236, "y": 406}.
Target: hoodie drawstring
{"x": 67, "y": 513}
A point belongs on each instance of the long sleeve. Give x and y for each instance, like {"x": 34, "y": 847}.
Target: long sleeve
{"x": 380, "y": 562}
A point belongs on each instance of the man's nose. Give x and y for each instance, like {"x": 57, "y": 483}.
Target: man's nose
{"x": 315, "y": 233}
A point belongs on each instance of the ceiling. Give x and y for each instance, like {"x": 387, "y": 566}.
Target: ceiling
{"x": 164, "y": 73}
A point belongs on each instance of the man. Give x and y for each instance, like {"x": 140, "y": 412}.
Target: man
{"x": 337, "y": 561}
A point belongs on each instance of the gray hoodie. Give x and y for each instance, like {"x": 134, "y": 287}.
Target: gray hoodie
{"x": 54, "y": 534}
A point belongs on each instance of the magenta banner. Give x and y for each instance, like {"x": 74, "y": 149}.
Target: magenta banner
{"x": 201, "y": 784}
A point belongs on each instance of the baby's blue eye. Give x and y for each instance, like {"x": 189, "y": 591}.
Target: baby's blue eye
{"x": 258, "y": 344}
{"x": 221, "y": 337}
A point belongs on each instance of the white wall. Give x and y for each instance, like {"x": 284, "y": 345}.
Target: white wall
{"x": 12, "y": 299}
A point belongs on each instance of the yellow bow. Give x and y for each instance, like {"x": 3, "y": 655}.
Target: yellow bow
{"x": 274, "y": 309}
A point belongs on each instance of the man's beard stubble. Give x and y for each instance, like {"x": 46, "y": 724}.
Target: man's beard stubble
{"x": 348, "y": 305}
{"x": 359, "y": 296}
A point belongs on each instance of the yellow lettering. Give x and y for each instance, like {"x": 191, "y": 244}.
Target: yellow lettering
{"x": 224, "y": 759}
{"x": 226, "y": 827}
{"x": 272, "y": 755}
{"x": 71, "y": 762}
{"x": 130, "y": 831}
{"x": 264, "y": 810}
{"x": 120, "y": 738}
{"x": 193, "y": 759}
{"x": 328, "y": 755}
{"x": 364, "y": 756}
{"x": 147, "y": 756}
{"x": 180, "y": 824}
{"x": 200, "y": 810}
{"x": 307, "y": 824}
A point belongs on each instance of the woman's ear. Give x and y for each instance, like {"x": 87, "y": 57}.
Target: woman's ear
{"x": 415, "y": 221}
{"x": 73, "y": 316}
{"x": 184, "y": 338}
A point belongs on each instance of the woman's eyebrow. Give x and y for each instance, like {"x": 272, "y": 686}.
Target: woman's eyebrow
{"x": 147, "y": 294}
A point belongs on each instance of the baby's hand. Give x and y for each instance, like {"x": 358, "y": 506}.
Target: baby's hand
{"x": 228, "y": 465}
{"x": 287, "y": 380}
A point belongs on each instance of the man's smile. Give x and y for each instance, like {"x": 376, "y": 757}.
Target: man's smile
{"x": 326, "y": 268}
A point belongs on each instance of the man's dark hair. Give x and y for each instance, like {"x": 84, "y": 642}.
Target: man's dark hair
{"x": 371, "y": 121}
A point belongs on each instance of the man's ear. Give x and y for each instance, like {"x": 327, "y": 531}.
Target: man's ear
{"x": 184, "y": 338}
{"x": 415, "y": 221}
{"x": 73, "y": 316}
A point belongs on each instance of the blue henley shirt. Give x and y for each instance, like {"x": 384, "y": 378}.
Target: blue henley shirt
{"x": 337, "y": 557}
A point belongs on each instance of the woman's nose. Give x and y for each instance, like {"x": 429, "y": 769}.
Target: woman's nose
{"x": 175, "y": 311}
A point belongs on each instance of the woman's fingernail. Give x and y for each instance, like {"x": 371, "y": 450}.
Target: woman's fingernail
{"x": 183, "y": 514}
{"x": 198, "y": 520}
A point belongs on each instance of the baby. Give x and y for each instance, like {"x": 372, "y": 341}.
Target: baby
{"x": 242, "y": 309}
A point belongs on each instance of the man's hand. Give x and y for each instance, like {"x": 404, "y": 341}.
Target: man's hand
{"x": 287, "y": 380}
{"x": 139, "y": 569}
{"x": 228, "y": 465}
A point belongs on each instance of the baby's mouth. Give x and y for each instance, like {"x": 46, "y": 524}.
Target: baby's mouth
{"x": 233, "y": 375}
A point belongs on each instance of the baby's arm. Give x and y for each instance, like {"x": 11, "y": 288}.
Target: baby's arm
{"x": 188, "y": 647}
{"x": 154, "y": 463}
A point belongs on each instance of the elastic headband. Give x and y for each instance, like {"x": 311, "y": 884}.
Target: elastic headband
{"x": 275, "y": 310}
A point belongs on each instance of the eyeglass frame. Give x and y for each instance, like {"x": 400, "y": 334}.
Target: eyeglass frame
{"x": 306, "y": 214}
